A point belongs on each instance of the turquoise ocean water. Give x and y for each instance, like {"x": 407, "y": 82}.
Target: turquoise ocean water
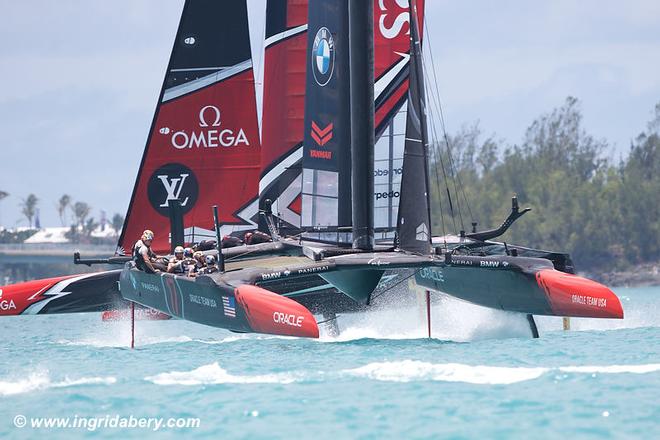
{"x": 481, "y": 376}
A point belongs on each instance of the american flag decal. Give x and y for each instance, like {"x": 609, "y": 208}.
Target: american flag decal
{"x": 229, "y": 306}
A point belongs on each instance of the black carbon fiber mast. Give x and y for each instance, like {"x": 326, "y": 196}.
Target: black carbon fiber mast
{"x": 361, "y": 42}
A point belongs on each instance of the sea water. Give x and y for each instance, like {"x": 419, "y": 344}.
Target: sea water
{"x": 480, "y": 376}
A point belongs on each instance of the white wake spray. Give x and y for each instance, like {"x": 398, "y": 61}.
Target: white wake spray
{"x": 40, "y": 380}
{"x": 214, "y": 374}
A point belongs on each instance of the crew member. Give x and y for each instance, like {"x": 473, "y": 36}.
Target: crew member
{"x": 199, "y": 260}
{"x": 211, "y": 266}
{"x": 256, "y": 237}
{"x": 229, "y": 241}
{"x": 145, "y": 259}
{"x": 176, "y": 265}
{"x": 189, "y": 264}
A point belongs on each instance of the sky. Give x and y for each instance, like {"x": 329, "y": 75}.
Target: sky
{"x": 79, "y": 82}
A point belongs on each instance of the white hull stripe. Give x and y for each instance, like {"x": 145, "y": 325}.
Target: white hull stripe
{"x": 273, "y": 174}
{"x": 286, "y": 34}
{"x": 57, "y": 291}
{"x": 183, "y": 89}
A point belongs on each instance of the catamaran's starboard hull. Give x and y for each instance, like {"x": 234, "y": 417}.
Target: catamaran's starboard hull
{"x": 501, "y": 283}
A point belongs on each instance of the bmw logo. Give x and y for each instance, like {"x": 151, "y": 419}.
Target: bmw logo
{"x": 323, "y": 56}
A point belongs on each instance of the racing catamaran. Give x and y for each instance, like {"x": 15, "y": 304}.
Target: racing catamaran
{"x": 337, "y": 175}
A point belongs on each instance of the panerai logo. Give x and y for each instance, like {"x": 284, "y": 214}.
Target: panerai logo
{"x": 209, "y": 134}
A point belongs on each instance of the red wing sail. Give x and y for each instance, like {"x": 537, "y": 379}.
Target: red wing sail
{"x": 203, "y": 148}
{"x": 286, "y": 60}
{"x": 283, "y": 107}
{"x": 391, "y": 69}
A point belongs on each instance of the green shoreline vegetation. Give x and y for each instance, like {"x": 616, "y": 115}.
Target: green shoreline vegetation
{"x": 605, "y": 213}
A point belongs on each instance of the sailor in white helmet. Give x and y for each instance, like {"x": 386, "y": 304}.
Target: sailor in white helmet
{"x": 211, "y": 266}
{"x": 176, "y": 265}
{"x": 189, "y": 264}
{"x": 145, "y": 259}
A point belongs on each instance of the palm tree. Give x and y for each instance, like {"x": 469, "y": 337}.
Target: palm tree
{"x": 81, "y": 210}
{"x": 117, "y": 222}
{"x": 3, "y": 195}
{"x": 62, "y": 206}
{"x": 90, "y": 226}
{"x": 29, "y": 208}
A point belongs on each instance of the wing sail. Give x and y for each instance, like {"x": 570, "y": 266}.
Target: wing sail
{"x": 392, "y": 72}
{"x": 283, "y": 110}
{"x": 203, "y": 147}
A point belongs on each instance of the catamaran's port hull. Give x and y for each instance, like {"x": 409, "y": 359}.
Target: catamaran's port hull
{"x": 245, "y": 308}
{"x": 92, "y": 292}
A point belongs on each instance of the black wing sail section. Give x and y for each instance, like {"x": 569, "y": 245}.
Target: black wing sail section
{"x": 414, "y": 210}
{"x": 326, "y": 200}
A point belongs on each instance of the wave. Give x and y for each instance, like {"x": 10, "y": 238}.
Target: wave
{"x": 113, "y": 342}
{"x": 612, "y": 369}
{"x": 214, "y": 374}
{"x": 41, "y": 380}
{"x": 408, "y": 371}
{"x": 142, "y": 341}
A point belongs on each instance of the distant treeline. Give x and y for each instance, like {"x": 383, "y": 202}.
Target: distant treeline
{"x": 605, "y": 212}
{"x": 81, "y": 224}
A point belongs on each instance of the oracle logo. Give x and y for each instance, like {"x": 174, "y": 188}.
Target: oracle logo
{"x": 394, "y": 15}
{"x": 284, "y": 318}
{"x": 431, "y": 273}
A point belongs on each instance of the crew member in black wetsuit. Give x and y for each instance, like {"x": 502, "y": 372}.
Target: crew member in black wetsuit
{"x": 145, "y": 259}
